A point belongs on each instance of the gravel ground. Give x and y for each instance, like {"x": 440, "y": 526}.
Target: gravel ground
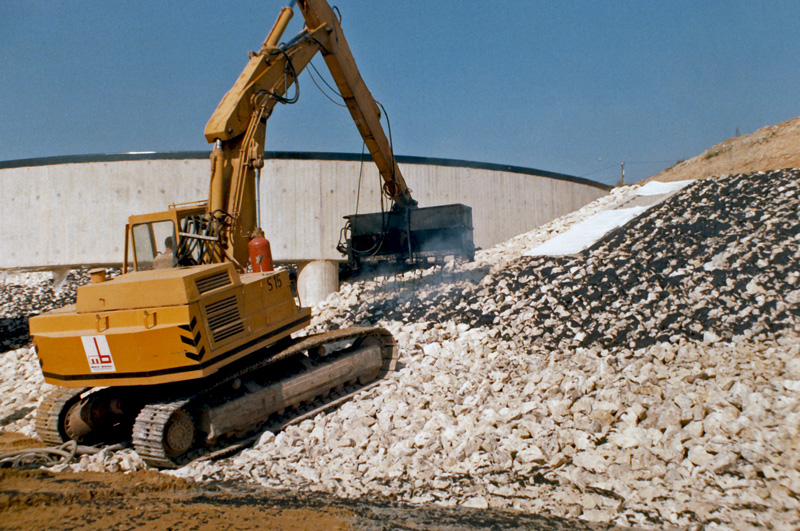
{"x": 651, "y": 380}
{"x": 23, "y": 295}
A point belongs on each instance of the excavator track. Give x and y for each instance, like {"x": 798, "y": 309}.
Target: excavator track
{"x": 51, "y": 413}
{"x": 160, "y": 431}
{"x": 167, "y": 434}
{"x": 277, "y": 423}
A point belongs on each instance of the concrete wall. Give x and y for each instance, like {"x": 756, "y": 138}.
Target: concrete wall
{"x": 73, "y": 211}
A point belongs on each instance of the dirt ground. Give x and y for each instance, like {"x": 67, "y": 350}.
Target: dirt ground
{"x": 39, "y": 499}
{"x": 147, "y": 499}
{"x": 770, "y": 148}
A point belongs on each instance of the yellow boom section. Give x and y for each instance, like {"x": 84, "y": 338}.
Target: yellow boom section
{"x": 238, "y": 125}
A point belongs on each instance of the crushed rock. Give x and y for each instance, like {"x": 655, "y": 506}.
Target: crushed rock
{"x": 651, "y": 380}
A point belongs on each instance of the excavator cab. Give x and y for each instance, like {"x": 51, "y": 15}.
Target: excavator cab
{"x": 162, "y": 240}
{"x": 153, "y": 245}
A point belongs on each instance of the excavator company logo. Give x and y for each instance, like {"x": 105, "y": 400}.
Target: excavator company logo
{"x": 193, "y": 339}
{"x": 98, "y": 354}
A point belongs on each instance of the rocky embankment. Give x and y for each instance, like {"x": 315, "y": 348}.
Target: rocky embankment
{"x": 28, "y": 294}
{"x": 651, "y": 380}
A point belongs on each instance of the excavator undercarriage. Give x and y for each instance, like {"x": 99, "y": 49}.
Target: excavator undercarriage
{"x": 170, "y": 425}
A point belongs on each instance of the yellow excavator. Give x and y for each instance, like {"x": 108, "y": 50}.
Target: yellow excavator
{"x": 193, "y": 343}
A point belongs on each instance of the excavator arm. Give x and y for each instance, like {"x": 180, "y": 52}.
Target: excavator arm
{"x": 238, "y": 125}
{"x": 360, "y": 103}
{"x": 238, "y": 130}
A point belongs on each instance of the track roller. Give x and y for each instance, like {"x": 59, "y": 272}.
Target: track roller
{"x": 51, "y": 417}
{"x": 163, "y": 433}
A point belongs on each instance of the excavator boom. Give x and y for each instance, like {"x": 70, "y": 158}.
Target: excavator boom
{"x": 238, "y": 130}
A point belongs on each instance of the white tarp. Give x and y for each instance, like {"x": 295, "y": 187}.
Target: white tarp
{"x": 658, "y": 188}
{"x": 585, "y": 233}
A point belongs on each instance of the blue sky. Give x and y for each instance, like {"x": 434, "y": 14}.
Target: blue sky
{"x": 568, "y": 86}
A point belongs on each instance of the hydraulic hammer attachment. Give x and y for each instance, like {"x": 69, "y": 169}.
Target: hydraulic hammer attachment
{"x": 409, "y": 236}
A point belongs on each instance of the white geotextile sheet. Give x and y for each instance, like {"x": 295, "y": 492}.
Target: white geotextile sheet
{"x": 585, "y": 233}
{"x": 658, "y": 188}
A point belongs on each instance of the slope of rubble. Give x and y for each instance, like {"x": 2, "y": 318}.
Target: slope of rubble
{"x": 25, "y": 295}
{"x": 651, "y": 380}
{"x": 654, "y": 378}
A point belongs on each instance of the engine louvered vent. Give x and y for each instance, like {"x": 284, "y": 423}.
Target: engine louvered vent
{"x": 218, "y": 280}
{"x": 224, "y": 319}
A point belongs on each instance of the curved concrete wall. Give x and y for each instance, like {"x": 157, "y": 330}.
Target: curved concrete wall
{"x": 72, "y": 211}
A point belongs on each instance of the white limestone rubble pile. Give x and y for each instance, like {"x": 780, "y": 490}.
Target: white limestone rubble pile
{"x": 651, "y": 380}
{"x": 23, "y": 295}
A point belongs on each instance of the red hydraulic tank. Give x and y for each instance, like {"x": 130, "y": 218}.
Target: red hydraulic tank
{"x": 260, "y": 254}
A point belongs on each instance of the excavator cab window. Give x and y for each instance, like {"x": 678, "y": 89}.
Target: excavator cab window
{"x": 153, "y": 245}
